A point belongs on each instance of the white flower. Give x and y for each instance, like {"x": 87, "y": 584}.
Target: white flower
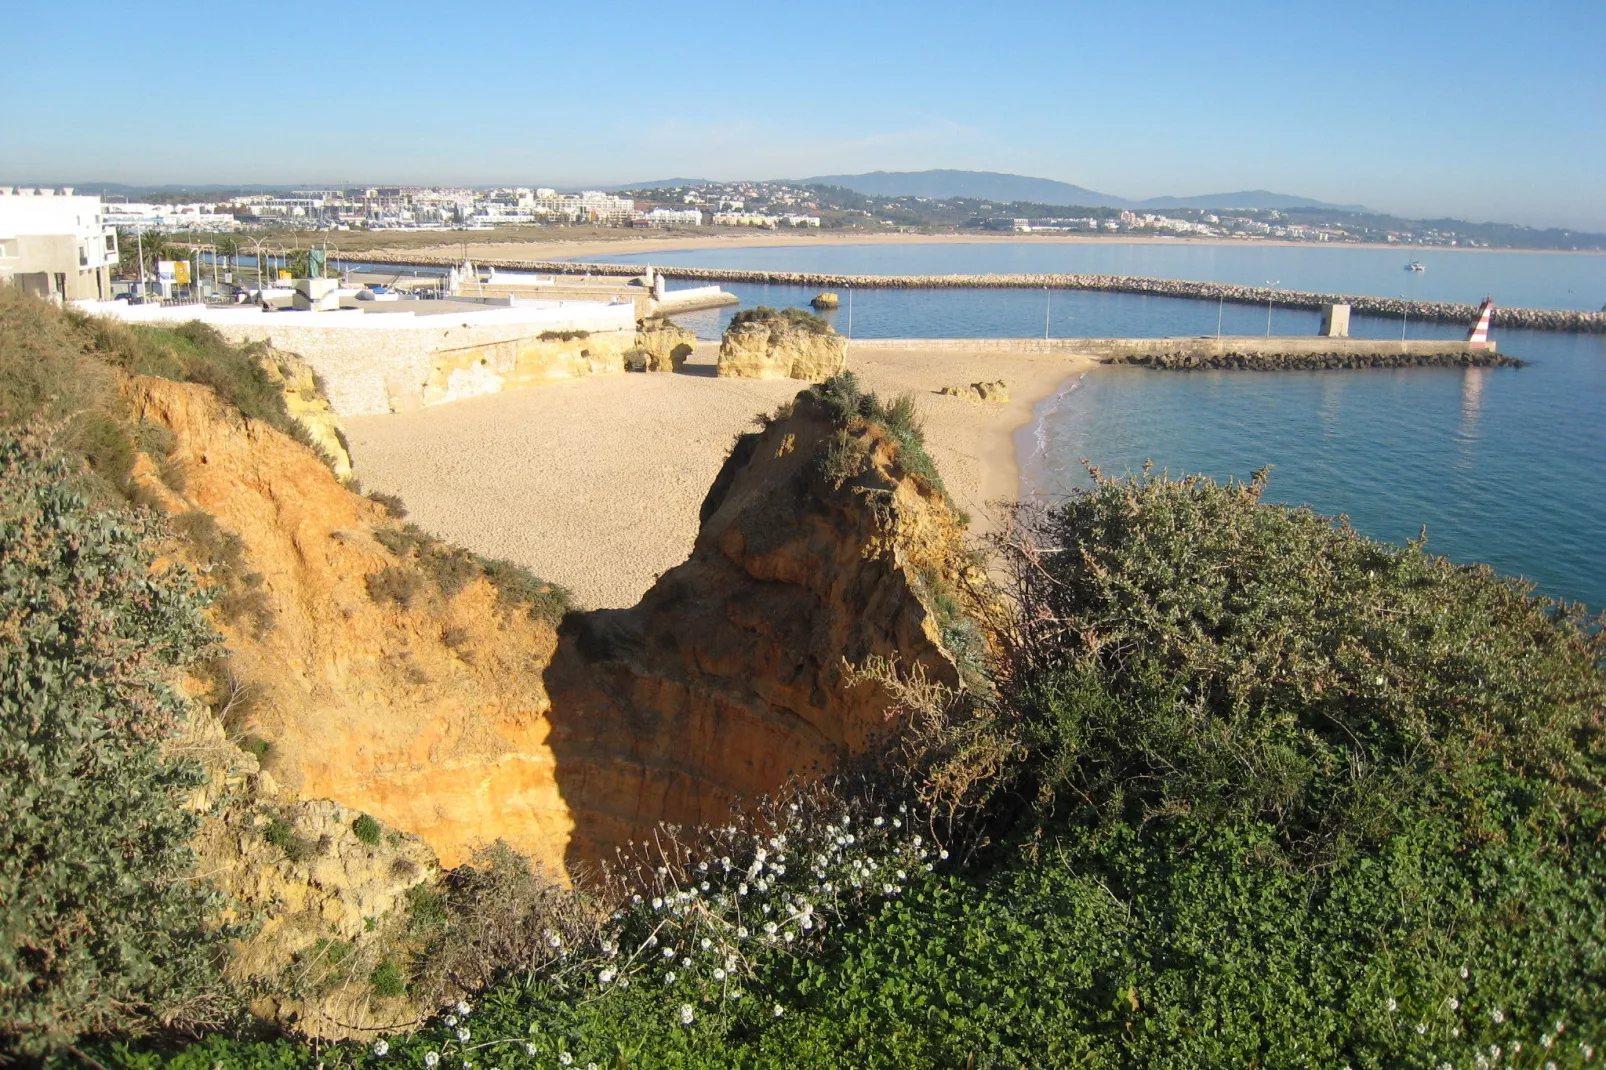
{"x": 686, "y": 1014}
{"x": 591, "y": 1066}
{"x": 770, "y": 927}
{"x": 669, "y": 978}
{"x": 1498, "y": 1015}
{"x": 789, "y": 935}
{"x": 726, "y": 862}
{"x": 877, "y": 822}
{"x": 432, "y": 1058}
{"x": 778, "y": 1010}
{"x": 943, "y": 854}
{"x": 760, "y": 854}
{"x": 702, "y": 867}
{"x": 463, "y": 1008}
{"x": 1392, "y": 1005}
{"x": 565, "y": 1058}
{"x": 1421, "y": 1028}
{"x": 741, "y": 932}
{"x": 624, "y": 982}
{"x": 1589, "y": 1052}
{"x": 462, "y": 1034}
{"x": 669, "y": 952}
{"x": 706, "y": 943}
{"x": 554, "y": 940}
{"x": 1560, "y": 1025}
{"x": 1454, "y": 1003}
{"x": 451, "y": 1020}
{"x": 657, "y": 903}
{"x": 606, "y": 976}
{"x": 381, "y": 1047}
{"x": 741, "y": 889}
{"x": 652, "y": 941}
{"x": 1463, "y": 973}
{"x": 719, "y": 974}
{"x": 1546, "y": 1041}
{"x": 1494, "y": 1051}
{"x": 704, "y": 886}
{"x": 897, "y": 824}
{"x": 736, "y": 993}
{"x": 529, "y": 1049}
{"x": 686, "y": 962}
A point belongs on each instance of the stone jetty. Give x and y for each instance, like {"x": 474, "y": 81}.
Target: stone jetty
{"x": 1534, "y": 319}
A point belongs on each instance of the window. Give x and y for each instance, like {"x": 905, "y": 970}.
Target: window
{"x": 83, "y": 257}
{"x": 8, "y": 248}
{"x": 111, "y": 243}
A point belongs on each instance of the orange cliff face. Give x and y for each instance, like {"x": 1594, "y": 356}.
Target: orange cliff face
{"x": 464, "y": 720}
{"x": 431, "y": 717}
{"x": 733, "y": 672}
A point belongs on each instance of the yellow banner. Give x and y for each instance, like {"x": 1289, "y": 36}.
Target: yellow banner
{"x": 181, "y": 272}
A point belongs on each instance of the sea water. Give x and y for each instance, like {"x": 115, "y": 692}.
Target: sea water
{"x": 1506, "y": 466}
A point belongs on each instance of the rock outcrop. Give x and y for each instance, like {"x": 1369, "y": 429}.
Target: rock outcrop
{"x": 763, "y": 343}
{"x": 993, "y": 391}
{"x": 307, "y": 403}
{"x": 826, "y": 299}
{"x": 733, "y": 671}
{"x": 661, "y": 346}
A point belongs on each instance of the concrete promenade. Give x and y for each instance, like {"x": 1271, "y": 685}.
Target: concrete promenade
{"x": 1536, "y": 319}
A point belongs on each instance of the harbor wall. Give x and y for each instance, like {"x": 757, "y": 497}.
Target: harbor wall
{"x": 1536, "y": 319}
{"x": 1228, "y": 351}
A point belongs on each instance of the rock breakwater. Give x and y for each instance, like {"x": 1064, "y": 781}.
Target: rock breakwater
{"x": 1252, "y": 361}
{"x": 1534, "y": 319}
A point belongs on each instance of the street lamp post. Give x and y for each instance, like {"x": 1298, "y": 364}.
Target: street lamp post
{"x": 1048, "y": 303}
{"x": 1220, "y": 306}
{"x": 1270, "y": 282}
{"x": 1405, "y": 316}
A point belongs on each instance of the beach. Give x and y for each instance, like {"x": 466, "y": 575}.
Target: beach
{"x": 595, "y": 483}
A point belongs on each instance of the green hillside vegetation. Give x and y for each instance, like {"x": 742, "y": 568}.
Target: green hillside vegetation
{"x": 1244, "y": 788}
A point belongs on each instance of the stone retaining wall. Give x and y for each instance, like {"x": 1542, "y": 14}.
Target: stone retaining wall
{"x": 1537, "y": 319}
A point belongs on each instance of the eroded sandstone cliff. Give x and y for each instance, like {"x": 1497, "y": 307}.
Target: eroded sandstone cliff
{"x": 734, "y": 670}
{"x": 763, "y": 343}
{"x": 395, "y": 677}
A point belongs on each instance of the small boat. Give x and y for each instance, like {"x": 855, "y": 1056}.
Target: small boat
{"x": 1415, "y": 265}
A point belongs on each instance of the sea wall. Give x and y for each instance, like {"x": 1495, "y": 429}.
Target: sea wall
{"x": 1537, "y": 319}
{"x": 1257, "y": 352}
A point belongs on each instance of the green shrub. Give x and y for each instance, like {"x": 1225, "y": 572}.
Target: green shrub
{"x": 562, "y": 336}
{"x": 366, "y": 829}
{"x": 101, "y": 925}
{"x": 518, "y": 586}
{"x": 392, "y": 503}
{"x": 395, "y": 584}
{"x": 782, "y": 318}
{"x": 387, "y": 980}
{"x": 282, "y": 834}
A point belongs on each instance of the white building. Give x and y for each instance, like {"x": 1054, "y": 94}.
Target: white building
{"x": 56, "y": 245}
{"x": 660, "y": 217}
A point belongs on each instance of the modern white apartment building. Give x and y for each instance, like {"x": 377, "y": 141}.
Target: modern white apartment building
{"x": 56, "y": 245}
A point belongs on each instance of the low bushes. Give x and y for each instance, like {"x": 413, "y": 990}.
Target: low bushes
{"x": 100, "y": 926}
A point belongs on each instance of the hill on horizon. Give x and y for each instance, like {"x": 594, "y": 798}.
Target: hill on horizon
{"x": 993, "y": 185}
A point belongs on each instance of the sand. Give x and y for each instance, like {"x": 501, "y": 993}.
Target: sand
{"x": 541, "y": 247}
{"x": 595, "y": 483}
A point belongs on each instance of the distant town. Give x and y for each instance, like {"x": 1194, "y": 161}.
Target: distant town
{"x": 706, "y": 207}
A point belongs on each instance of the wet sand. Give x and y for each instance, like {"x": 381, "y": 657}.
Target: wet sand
{"x": 595, "y": 483}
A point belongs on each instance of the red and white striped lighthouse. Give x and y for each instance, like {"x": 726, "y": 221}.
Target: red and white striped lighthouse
{"x": 1478, "y": 337}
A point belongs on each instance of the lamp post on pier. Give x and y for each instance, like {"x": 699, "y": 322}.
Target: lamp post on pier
{"x": 1270, "y": 282}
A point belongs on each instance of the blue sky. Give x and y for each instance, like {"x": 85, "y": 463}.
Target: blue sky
{"x": 1478, "y": 110}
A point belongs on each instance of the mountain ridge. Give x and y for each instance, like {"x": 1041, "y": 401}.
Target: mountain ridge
{"x": 943, "y": 183}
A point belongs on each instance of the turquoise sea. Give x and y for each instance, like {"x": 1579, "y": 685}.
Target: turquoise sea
{"x": 1505, "y": 466}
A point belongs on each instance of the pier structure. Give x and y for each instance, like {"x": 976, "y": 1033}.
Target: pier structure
{"x": 1537, "y": 319}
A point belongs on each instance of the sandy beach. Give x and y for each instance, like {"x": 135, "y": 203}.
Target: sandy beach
{"x": 595, "y": 483}
{"x": 540, "y": 247}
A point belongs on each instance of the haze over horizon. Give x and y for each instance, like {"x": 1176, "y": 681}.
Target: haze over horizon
{"x": 1483, "y": 111}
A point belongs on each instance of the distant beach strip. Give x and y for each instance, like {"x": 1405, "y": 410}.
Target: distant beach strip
{"x": 1534, "y": 319}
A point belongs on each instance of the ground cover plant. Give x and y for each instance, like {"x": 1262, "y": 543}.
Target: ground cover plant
{"x": 100, "y": 927}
